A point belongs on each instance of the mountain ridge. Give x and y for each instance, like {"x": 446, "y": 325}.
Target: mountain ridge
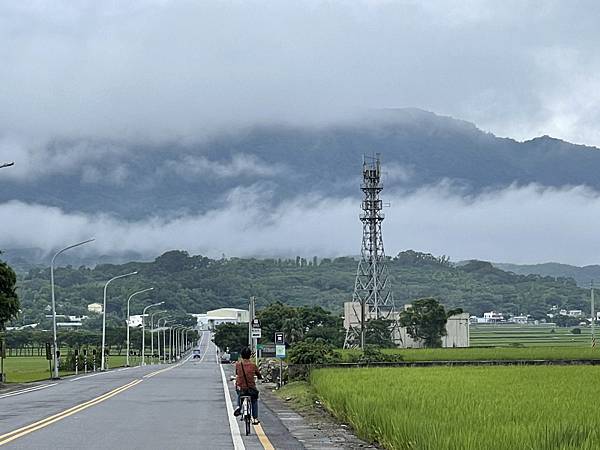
{"x": 132, "y": 181}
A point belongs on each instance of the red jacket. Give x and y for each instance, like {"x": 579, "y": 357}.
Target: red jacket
{"x": 250, "y": 370}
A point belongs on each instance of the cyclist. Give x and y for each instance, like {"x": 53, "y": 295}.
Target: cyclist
{"x": 245, "y": 371}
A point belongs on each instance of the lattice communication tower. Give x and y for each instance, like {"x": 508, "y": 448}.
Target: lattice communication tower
{"x": 372, "y": 298}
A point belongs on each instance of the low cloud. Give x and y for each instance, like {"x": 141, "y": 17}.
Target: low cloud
{"x": 519, "y": 224}
{"x": 240, "y": 165}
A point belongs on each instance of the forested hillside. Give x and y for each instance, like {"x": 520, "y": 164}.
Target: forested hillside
{"x": 582, "y": 275}
{"x": 195, "y": 284}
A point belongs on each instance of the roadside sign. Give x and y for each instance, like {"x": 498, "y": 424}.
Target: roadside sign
{"x": 256, "y": 333}
{"x": 280, "y": 351}
{"x": 258, "y": 347}
{"x": 279, "y": 338}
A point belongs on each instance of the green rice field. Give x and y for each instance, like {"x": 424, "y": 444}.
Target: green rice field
{"x": 506, "y": 335}
{"x": 493, "y": 353}
{"x": 464, "y": 408}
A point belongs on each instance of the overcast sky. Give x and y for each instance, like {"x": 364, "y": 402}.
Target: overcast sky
{"x": 166, "y": 70}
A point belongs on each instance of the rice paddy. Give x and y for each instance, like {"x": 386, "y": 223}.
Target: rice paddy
{"x": 506, "y": 407}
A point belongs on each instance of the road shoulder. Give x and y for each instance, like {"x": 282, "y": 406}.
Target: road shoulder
{"x": 310, "y": 423}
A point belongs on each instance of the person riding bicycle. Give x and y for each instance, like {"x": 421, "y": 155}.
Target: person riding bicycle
{"x": 245, "y": 371}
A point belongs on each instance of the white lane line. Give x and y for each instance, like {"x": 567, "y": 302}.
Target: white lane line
{"x": 25, "y": 391}
{"x": 207, "y": 345}
{"x": 88, "y": 376}
{"x": 95, "y": 374}
{"x": 236, "y": 437}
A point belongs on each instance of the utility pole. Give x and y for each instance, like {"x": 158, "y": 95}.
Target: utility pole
{"x": 250, "y": 319}
{"x": 593, "y": 314}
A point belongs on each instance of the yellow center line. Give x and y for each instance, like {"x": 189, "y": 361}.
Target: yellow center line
{"x": 262, "y": 437}
{"x": 15, "y": 434}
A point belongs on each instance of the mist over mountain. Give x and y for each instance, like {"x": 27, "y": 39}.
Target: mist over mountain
{"x": 582, "y": 275}
{"x": 132, "y": 181}
{"x": 285, "y": 190}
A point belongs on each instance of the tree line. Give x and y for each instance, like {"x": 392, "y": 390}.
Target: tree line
{"x": 197, "y": 284}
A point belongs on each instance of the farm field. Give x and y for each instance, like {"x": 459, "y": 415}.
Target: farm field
{"x": 495, "y": 353}
{"x": 528, "y": 407}
{"x": 506, "y": 335}
{"x": 22, "y": 369}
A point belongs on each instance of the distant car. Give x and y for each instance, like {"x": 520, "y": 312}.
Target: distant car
{"x": 225, "y": 358}
{"x": 197, "y": 354}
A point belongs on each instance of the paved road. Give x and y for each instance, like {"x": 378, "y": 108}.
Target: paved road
{"x": 182, "y": 406}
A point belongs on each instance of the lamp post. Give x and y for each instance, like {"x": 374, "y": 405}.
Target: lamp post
{"x": 158, "y": 325}
{"x": 152, "y": 333}
{"x": 158, "y": 336}
{"x": 129, "y": 318}
{"x": 144, "y": 330}
{"x": 103, "y": 358}
{"x": 178, "y": 331}
{"x": 165, "y": 339}
{"x": 55, "y": 340}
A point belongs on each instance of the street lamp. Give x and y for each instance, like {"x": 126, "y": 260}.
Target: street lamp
{"x": 158, "y": 336}
{"x": 176, "y": 331}
{"x": 102, "y": 365}
{"x": 166, "y": 320}
{"x": 152, "y": 332}
{"x": 178, "y": 338}
{"x": 144, "y": 330}
{"x": 129, "y": 318}
{"x": 55, "y": 357}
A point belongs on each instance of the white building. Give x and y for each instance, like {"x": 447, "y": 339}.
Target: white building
{"x": 457, "y": 333}
{"x": 216, "y": 317}
{"x": 95, "y": 308}
{"x": 493, "y": 317}
{"x": 521, "y": 320}
{"x": 68, "y": 324}
{"x": 457, "y": 329}
{"x": 135, "y": 321}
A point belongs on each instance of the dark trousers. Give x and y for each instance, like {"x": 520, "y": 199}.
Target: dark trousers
{"x": 254, "y": 401}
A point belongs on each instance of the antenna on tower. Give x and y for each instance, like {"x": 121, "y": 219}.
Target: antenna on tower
{"x": 373, "y": 297}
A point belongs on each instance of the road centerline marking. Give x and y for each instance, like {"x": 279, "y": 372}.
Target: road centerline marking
{"x": 20, "y": 432}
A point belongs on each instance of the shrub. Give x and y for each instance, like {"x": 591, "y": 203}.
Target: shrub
{"x": 311, "y": 352}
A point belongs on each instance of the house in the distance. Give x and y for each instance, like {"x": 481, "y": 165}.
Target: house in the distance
{"x": 95, "y": 308}
{"x": 216, "y": 317}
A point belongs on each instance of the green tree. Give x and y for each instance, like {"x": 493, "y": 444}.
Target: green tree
{"x": 425, "y": 320}
{"x": 9, "y": 301}
{"x": 231, "y": 335}
{"x": 379, "y": 334}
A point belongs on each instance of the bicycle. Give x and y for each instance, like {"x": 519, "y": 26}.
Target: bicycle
{"x": 246, "y": 411}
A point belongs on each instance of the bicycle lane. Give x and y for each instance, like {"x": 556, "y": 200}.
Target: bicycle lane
{"x": 271, "y": 433}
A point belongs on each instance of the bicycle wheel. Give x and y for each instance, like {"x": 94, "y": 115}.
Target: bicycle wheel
{"x": 247, "y": 420}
